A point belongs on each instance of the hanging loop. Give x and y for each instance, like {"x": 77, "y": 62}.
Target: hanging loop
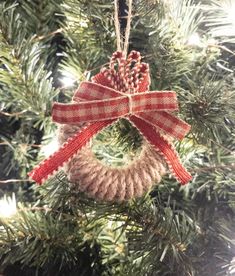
{"x": 122, "y": 45}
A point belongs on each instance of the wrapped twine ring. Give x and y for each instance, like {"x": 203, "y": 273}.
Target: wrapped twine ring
{"x": 90, "y": 175}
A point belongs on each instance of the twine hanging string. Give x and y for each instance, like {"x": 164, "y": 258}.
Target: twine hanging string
{"x": 117, "y": 25}
{"x": 128, "y": 28}
{"x": 122, "y": 45}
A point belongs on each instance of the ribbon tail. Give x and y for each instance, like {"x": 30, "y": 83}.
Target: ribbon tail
{"x": 166, "y": 121}
{"x": 66, "y": 152}
{"x": 168, "y": 152}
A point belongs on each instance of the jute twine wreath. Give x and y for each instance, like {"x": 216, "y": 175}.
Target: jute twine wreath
{"x": 119, "y": 91}
{"x": 100, "y": 181}
{"x": 90, "y": 175}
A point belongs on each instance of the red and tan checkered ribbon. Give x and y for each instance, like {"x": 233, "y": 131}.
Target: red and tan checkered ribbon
{"x": 101, "y": 103}
{"x": 117, "y": 93}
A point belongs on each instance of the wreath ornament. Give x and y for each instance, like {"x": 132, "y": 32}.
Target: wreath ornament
{"x": 120, "y": 90}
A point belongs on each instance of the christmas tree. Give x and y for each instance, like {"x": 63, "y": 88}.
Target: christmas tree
{"x": 47, "y": 49}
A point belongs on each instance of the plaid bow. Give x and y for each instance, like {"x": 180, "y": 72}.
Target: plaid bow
{"x": 116, "y": 94}
{"x": 101, "y": 103}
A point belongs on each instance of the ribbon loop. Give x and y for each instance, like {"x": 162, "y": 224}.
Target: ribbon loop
{"x": 95, "y": 102}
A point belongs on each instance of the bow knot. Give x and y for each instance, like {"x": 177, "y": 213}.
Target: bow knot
{"x": 130, "y": 104}
{"x": 120, "y": 90}
{"x": 97, "y": 102}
